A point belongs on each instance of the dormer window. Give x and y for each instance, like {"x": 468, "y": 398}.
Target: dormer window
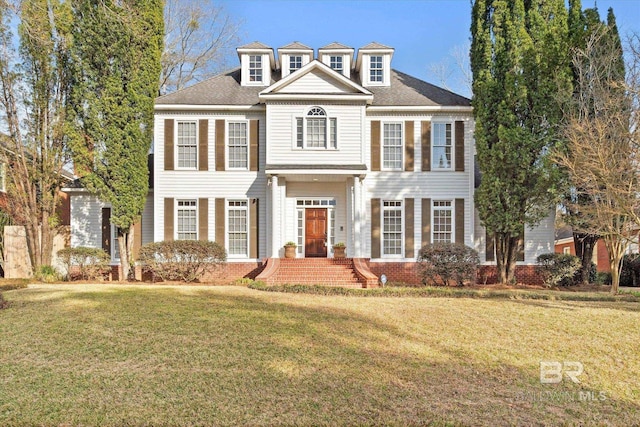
{"x": 255, "y": 68}
{"x": 335, "y": 62}
{"x": 376, "y": 74}
{"x": 295, "y": 63}
{"x": 316, "y": 130}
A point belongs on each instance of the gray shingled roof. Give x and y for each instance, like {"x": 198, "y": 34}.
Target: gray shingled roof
{"x": 335, "y": 45}
{"x": 225, "y": 89}
{"x": 255, "y": 45}
{"x": 375, "y": 45}
{"x": 296, "y": 45}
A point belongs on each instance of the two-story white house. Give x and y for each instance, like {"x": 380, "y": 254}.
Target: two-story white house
{"x": 318, "y": 148}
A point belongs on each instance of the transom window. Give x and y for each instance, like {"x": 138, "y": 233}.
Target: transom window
{"x": 316, "y": 130}
{"x": 255, "y": 68}
{"x": 238, "y": 145}
{"x": 295, "y": 63}
{"x": 335, "y": 62}
{"x": 442, "y": 145}
{"x": 375, "y": 69}
{"x": 187, "y": 217}
{"x": 237, "y": 228}
{"x": 392, "y": 146}
{"x": 442, "y": 221}
{"x": 187, "y": 145}
{"x": 392, "y": 227}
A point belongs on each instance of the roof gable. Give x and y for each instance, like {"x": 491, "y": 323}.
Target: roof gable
{"x": 316, "y": 78}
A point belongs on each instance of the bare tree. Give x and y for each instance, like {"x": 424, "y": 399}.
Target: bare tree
{"x": 602, "y": 147}
{"x": 454, "y": 71}
{"x": 199, "y": 35}
{"x": 34, "y": 85}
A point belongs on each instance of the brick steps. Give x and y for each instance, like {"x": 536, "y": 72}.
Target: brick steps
{"x": 315, "y": 271}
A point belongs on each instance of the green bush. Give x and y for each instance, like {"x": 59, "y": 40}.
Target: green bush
{"x": 442, "y": 263}
{"x": 603, "y": 278}
{"x": 85, "y": 263}
{"x": 559, "y": 269}
{"x": 630, "y": 272}
{"x": 47, "y": 274}
{"x": 183, "y": 260}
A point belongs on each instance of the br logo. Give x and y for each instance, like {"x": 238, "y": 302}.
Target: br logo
{"x": 552, "y": 372}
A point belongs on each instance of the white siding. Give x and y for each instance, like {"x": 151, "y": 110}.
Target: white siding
{"x": 537, "y": 241}
{"x": 86, "y": 220}
{"x": 316, "y": 82}
{"x": 281, "y": 135}
{"x": 211, "y": 184}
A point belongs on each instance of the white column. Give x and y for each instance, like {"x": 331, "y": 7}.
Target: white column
{"x": 275, "y": 219}
{"x": 357, "y": 216}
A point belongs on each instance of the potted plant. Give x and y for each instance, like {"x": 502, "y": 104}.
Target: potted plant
{"x": 338, "y": 250}
{"x": 290, "y": 249}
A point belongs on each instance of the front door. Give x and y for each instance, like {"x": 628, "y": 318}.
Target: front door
{"x": 315, "y": 233}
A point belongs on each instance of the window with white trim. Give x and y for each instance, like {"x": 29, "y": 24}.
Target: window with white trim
{"x": 442, "y": 221}
{"x": 392, "y": 146}
{"x": 316, "y": 130}
{"x": 566, "y": 250}
{"x": 238, "y": 145}
{"x": 441, "y": 146}
{"x": 187, "y": 145}
{"x": 238, "y": 228}
{"x": 115, "y": 248}
{"x": 255, "y": 68}
{"x": 295, "y": 63}
{"x": 392, "y": 227}
{"x": 376, "y": 69}
{"x": 336, "y": 63}
{"x": 187, "y": 220}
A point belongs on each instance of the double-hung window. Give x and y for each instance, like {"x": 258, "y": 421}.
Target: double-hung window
{"x": 442, "y": 221}
{"x": 442, "y": 145}
{"x": 187, "y": 220}
{"x": 238, "y": 145}
{"x": 376, "y": 69}
{"x": 115, "y": 247}
{"x": 392, "y": 227}
{"x": 316, "y": 130}
{"x": 237, "y": 228}
{"x": 335, "y": 62}
{"x": 392, "y": 146}
{"x": 295, "y": 63}
{"x": 187, "y": 145}
{"x": 255, "y": 68}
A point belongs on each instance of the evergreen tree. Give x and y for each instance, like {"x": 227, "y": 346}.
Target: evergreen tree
{"x": 520, "y": 65}
{"x": 117, "y": 70}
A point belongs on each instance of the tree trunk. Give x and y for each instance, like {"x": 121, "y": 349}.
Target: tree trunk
{"x": 506, "y": 256}
{"x": 125, "y": 244}
{"x": 584, "y": 244}
{"x": 616, "y": 247}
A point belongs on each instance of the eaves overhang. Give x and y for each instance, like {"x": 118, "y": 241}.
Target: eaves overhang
{"x": 208, "y": 107}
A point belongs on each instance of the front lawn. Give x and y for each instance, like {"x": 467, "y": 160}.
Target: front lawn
{"x": 159, "y": 355}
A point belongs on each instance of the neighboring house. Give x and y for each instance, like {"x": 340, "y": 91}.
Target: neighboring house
{"x": 314, "y": 149}
{"x": 564, "y": 244}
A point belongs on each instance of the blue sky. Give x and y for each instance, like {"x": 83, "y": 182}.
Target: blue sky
{"x": 424, "y": 33}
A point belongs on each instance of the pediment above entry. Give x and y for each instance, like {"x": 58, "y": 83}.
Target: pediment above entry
{"x": 316, "y": 81}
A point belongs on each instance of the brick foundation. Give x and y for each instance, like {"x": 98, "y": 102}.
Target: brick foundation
{"x": 526, "y": 274}
{"x": 397, "y": 272}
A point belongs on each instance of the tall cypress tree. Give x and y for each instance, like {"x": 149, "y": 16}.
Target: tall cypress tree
{"x": 519, "y": 52}
{"x": 117, "y": 68}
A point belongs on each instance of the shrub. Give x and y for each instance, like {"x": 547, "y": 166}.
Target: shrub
{"x": 603, "y": 278}
{"x": 559, "y": 269}
{"x": 47, "y": 274}
{"x": 630, "y": 272}
{"x": 90, "y": 263}
{"x": 184, "y": 260}
{"x": 447, "y": 262}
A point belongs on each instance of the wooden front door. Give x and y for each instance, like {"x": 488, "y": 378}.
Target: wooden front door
{"x": 315, "y": 233}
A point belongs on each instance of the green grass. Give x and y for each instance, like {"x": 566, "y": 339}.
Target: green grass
{"x": 160, "y": 355}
